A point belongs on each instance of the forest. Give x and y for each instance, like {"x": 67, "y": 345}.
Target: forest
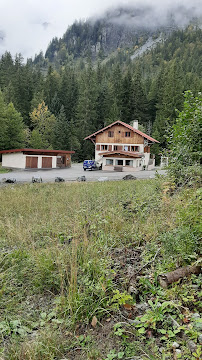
{"x": 46, "y": 104}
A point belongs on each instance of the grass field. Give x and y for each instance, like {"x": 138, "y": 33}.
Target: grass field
{"x": 79, "y": 260}
{"x": 3, "y": 170}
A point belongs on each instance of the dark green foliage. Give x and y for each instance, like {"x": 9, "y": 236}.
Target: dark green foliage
{"x": 95, "y": 94}
{"x": 185, "y": 140}
{"x": 15, "y": 129}
{"x": 12, "y": 134}
{"x": 62, "y": 131}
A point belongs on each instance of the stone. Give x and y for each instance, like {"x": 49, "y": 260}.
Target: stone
{"x": 192, "y": 346}
{"x": 82, "y": 178}
{"x": 178, "y": 351}
{"x": 142, "y": 307}
{"x": 130, "y": 271}
{"x": 132, "y": 290}
{"x": 129, "y": 177}
{"x": 10, "y": 181}
{"x": 195, "y": 316}
{"x": 200, "y": 339}
{"x": 36, "y": 179}
{"x": 175, "y": 345}
{"x": 59, "y": 179}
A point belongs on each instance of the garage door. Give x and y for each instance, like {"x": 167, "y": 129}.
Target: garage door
{"x": 46, "y": 162}
{"x": 31, "y": 162}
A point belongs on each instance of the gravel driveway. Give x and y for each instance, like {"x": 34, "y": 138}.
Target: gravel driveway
{"x": 71, "y": 174}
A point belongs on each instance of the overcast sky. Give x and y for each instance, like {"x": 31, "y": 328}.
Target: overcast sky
{"x": 28, "y": 25}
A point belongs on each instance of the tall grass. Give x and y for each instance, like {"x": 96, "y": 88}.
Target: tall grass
{"x": 56, "y": 242}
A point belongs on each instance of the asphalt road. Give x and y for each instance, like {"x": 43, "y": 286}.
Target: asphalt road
{"x": 71, "y": 174}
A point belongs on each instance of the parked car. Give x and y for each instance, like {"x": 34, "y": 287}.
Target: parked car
{"x": 91, "y": 165}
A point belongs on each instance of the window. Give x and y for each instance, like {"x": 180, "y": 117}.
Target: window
{"x": 135, "y": 148}
{"x": 129, "y": 162}
{"x": 125, "y": 148}
{"x": 119, "y": 162}
{"x": 109, "y": 161}
{"x": 104, "y": 147}
{"x": 127, "y": 134}
{"x": 110, "y": 134}
{"x": 115, "y": 147}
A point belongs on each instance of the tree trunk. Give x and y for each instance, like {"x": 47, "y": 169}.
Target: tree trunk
{"x": 167, "y": 279}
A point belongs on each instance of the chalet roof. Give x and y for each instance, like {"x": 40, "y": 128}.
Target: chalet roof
{"x": 122, "y": 152}
{"x": 127, "y": 126}
{"x": 37, "y": 151}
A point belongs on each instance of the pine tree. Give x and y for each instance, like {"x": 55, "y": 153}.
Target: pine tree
{"x": 15, "y": 129}
{"x": 170, "y": 99}
{"x": 127, "y": 101}
{"x": 68, "y": 92}
{"x": 140, "y": 103}
{"x": 51, "y": 85}
{"x": 44, "y": 125}
{"x": 87, "y": 111}
{"x": 62, "y": 133}
{"x": 3, "y": 124}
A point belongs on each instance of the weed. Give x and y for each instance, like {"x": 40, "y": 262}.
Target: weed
{"x": 57, "y": 270}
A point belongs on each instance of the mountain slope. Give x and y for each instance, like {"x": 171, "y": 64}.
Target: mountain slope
{"x": 117, "y": 28}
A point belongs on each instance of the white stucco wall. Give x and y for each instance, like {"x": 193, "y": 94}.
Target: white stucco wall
{"x": 13, "y": 160}
{"x": 99, "y": 158}
{"x": 137, "y": 164}
{"x": 18, "y": 160}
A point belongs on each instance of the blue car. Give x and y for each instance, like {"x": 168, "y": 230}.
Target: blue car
{"x": 91, "y": 165}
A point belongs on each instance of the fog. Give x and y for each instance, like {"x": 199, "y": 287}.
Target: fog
{"x": 27, "y": 26}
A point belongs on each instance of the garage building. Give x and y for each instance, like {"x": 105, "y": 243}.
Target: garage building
{"x": 36, "y": 158}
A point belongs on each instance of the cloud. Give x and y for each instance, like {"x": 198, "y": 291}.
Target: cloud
{"x": 29, "y": 25}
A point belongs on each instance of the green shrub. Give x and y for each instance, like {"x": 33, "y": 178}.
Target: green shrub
{"x": 179, "y": 243}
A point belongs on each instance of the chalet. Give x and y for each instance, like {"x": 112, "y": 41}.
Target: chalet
{"x": 120, "y": 146}
{"x": 36, "y": 158}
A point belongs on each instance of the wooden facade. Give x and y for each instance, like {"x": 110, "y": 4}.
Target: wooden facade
{"x": 117, "y": 134}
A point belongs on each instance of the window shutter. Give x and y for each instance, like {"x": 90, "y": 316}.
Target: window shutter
{"x": 110, "y": 148}
{"x": 97, "y": 147}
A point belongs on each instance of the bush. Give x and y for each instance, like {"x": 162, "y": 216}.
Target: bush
{"x": 179, "y": 243}
{"x": 185, "y": 140}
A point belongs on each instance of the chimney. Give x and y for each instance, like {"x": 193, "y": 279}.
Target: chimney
{"x": 135, "y": 124}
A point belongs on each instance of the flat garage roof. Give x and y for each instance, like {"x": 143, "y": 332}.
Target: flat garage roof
{"x": 38, "y": 152}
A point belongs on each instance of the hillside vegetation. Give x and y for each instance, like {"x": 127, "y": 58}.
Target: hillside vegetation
{"x": 57, "y": 104}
